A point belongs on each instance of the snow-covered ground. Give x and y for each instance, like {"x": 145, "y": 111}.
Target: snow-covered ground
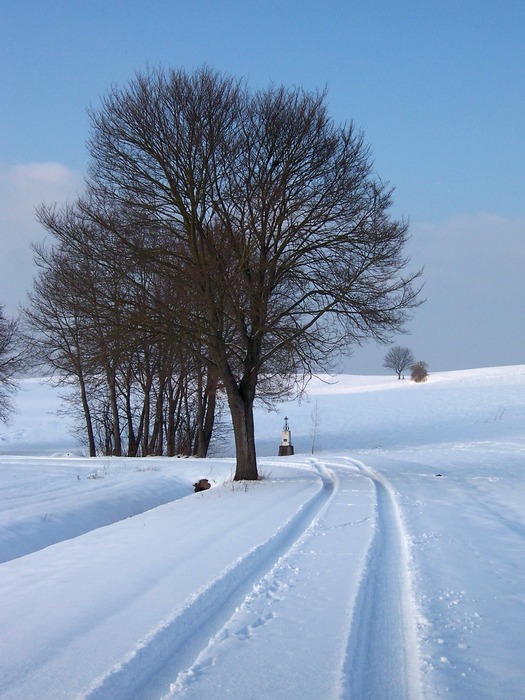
{"x": 384, "y": 560}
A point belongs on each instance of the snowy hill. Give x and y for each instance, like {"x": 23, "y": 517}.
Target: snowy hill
{"x": 387, "y": 563}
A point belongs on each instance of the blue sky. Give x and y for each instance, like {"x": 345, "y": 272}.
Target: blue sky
{"x": 437, "y": 87}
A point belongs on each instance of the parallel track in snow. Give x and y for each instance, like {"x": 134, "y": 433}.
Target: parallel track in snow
{"x": 370, "y": 644}
{"x": 295, "y": 581}
{"x": 382, "y": 653}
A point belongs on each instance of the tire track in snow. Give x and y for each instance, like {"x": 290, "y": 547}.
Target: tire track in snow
{"x": 155, "y": 661}
{"x": 308, "y": 594}
{"x": 382, "y": 659}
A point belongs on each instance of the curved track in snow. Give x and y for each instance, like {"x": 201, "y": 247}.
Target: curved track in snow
{"x": 157, "y": 660}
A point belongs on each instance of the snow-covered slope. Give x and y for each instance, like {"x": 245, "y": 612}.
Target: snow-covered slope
{"x": 387, "y": 563}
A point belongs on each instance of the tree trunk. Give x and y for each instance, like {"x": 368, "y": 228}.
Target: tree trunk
{"x": 132, "y": 439}
{"x": 198, "y": 448}
{"x": 174, "y": 413}
{"x": 209, "y": 418}
{"x": 117, "y": 444}
{"x": 145, "y": 421}
{"x": 241, "y": 409}
{"x": 207, "y": 400}
{"x": 155, "y": 446}
{"x": 87, "y": 417}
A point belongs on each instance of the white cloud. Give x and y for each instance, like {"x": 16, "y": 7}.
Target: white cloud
{"x": 484, "y": 238}
{"x": 22, "y": 188}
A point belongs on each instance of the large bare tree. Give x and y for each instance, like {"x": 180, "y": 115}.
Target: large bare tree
{"x": 269, "y": 215}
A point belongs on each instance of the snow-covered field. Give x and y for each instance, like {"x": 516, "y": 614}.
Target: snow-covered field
{"x": 386, "y": 563}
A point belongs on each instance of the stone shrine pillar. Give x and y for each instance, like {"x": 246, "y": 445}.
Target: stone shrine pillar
{"x": 286, "y": 447}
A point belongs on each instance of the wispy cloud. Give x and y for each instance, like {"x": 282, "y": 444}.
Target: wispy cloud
{"x": 22, "y": 188}
{"x": 474, "y": 287}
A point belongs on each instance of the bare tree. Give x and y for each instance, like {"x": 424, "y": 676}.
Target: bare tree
{"x": 398, "y": 359}
{"x": 12, "y": 360}
{"x": 266, "y": 212}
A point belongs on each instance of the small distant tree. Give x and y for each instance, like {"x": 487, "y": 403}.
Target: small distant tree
{"x": 399, "y": 359}
{"x": 419, "y": 372}
{"x": 11, "y": 362}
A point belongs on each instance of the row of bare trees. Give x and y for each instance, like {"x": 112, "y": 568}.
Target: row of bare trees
{"x": 95, "y": 314}
{"x": 227, "y": 239}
